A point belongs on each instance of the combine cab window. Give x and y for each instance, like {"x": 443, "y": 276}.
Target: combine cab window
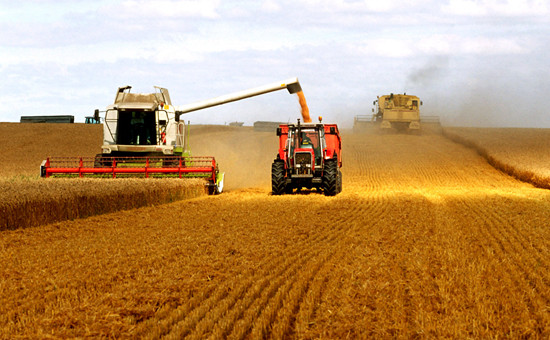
{"x": 136, "y": 127}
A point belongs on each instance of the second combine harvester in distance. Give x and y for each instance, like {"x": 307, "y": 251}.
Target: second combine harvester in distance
{"x": 399, "y": 111}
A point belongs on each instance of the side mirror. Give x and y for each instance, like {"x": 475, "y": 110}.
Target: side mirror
{"x": 421, "y": 103}
{"x": 96, "y": 115}
{"x": 332, "y": 130}
{"x": 279, "y": 132}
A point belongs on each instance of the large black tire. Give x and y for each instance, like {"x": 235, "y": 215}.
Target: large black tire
{"x": 278, "y": 181}
{"x": 339, "y": 181}
{"x": 330, "y": 177}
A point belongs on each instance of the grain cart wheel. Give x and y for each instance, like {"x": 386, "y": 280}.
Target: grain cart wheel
{"x": 278, "y": 182}
{"x": 330, "y": 177}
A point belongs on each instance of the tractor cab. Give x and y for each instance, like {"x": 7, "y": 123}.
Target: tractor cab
{"x": 305, "y": 144}
{"x": 92, "y": 120}
{"x": 307, "y": 139}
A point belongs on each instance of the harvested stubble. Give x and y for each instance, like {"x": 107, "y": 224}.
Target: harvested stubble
{"x": 426, "y": 240}
{"x": 27, "y": 145}
{"x": 33, "y": 202}
{"x": 515, "y": 151}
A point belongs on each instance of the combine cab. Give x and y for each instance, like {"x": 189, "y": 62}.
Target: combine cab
{"x": 309, "y": 157}
{"x": 399, "y": 111}
{"x": 143, "y": 136}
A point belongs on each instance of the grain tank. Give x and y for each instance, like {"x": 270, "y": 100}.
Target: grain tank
{"x": 399, "y": 111}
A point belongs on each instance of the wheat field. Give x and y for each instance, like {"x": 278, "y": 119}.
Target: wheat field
{"x": 427, "y": 240}
{"x": 519, "y": 152}
{"x": 26, "y": 200}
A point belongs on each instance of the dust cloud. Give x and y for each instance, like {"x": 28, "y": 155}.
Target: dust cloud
{"x": 430, "y": 74}
{"x": 243, "y": 154}
{"x": 482, "y": 92}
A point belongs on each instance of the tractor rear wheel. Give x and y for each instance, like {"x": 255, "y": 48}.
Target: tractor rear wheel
{"x": 278, "y": 181}
{"x": 330, "y": 177}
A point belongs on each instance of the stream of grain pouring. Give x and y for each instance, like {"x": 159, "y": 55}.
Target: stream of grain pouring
{"x": 305, "y": 109}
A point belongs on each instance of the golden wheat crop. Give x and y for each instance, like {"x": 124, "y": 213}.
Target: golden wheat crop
{"x": 426, "y": 240}
{"x": 31, "y": 202}
{"x": 27, "y": 200}
{"x": 518, "y": 152}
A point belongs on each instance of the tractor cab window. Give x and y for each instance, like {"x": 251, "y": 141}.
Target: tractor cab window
{"x": 309, "y": 139}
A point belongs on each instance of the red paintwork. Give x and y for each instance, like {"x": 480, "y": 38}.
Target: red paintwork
{"x": 333, "y": 141}
{"x": 81, "y": 166}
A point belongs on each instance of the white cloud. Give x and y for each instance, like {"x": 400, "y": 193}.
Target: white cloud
{"x": 45, "y": 11}
{"x": 95, "y": 53}
{"x": 461, "y": 45}
{"x": 392, "y": 48}
{"x": 160, "y": 9}
{"x": 271, "y": 6}
{"x": 352, "y": 6}
{"x": 497, "y": 7}
{"x": 214, "y": 46}
{"x": 437, "y": 45}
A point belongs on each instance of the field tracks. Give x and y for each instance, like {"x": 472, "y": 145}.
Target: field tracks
{"x": 517, "y": 276}
{"x": 277, "y": 298}
{"x": 427, "y": 240}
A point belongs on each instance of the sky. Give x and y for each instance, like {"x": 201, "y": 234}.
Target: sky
{"x": 471, "y": 62}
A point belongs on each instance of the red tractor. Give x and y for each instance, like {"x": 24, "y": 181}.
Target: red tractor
{"x": 310, "y": 156}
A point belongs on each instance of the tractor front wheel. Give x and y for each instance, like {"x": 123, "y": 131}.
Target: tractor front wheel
{"x": 331, "y": 178}
{"x": 278, "y": 181}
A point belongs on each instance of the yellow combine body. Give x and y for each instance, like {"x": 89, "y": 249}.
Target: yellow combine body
{"x": 400, "y": 111}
